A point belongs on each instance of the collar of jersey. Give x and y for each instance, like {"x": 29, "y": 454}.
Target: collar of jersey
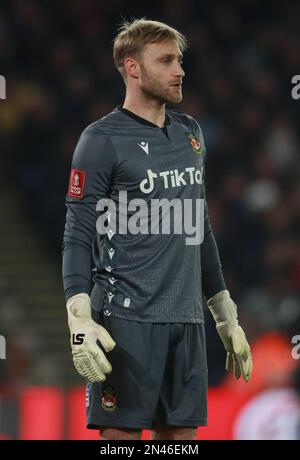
{"x": 143, "y": 120}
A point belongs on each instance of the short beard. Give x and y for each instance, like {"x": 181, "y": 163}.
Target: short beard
{"x": 152, "y": 89}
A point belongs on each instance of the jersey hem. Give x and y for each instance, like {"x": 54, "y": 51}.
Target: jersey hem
{"x": 160, "y": 320}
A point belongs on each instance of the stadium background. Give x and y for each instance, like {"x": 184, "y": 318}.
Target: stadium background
{"x": 57, "y": 61}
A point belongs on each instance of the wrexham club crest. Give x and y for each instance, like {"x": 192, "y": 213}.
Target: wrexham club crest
{"x": 109, "y": 400}
{"x": 195, "y": 143}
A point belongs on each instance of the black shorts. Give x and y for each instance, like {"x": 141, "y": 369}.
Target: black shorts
{"x": 159, "y": 376}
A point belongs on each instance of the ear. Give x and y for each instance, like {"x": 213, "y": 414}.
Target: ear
{"x": 131, "y": 67}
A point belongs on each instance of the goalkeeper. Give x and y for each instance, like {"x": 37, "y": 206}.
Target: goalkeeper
{"x": 138, "y": 335}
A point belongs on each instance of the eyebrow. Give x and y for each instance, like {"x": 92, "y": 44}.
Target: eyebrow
{"x": 171, "y": 56}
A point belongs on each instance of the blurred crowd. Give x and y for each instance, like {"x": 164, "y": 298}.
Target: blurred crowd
{"x": 57, "y": 59}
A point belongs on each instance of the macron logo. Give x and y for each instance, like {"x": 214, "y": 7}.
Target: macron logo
{"x": 144, "y": 146}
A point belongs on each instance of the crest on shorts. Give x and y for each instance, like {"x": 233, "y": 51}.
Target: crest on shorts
{"x": 108, "y": 399}
{"x": 195, "y": 143}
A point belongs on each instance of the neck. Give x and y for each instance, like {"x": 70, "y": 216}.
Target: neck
{"x": 150, "y": 110}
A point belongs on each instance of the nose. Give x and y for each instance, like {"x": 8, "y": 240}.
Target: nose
{"x": 179, "y": 72}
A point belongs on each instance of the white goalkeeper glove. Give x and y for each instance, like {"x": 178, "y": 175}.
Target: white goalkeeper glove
{"x": 224, "y": 311}
{"x": 89, "y": 359}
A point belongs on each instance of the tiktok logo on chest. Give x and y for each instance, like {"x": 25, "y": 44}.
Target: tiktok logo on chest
{"x": 172, "y": 178}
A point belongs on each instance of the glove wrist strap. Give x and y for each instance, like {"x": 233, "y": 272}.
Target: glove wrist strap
{"x": 79, "y": 306}
{"x": 223, "y": 308}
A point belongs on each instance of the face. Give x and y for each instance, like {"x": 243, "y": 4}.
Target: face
{"x": 161, "y": 74}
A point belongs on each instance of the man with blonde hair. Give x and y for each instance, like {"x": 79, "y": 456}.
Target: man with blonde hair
{"x": 145, "y": 308}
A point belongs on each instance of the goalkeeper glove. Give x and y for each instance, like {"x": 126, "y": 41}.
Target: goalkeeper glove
{"x": 224, "y": 311}
{"x": 89, "y": 359}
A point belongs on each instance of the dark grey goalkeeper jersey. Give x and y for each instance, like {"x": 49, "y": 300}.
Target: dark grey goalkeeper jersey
{"x": 151, "y": 275}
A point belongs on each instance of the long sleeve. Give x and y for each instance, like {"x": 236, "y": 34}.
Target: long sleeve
{"x": 211, "y": 268}
{"x": 90, "y": 180}
{"x": 212, "y": 276}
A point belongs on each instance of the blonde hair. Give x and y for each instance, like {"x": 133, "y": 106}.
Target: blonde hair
{"x": 133, "y": 36}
